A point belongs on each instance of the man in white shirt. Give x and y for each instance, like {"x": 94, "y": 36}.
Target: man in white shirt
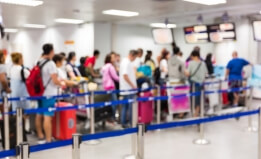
{"x": 127, "y": 82}
{"x": 138, "y": 61}
{"x": 51, "y": 83}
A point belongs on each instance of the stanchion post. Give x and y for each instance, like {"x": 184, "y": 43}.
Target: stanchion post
{"x": 134, "y": 124}
{"x": 6, "y": 123}
{"x": 76, "y": 146}
{"x": 19, "y": 125}
{"x": 140, "y": 141}
{"x": 22, "y": 151}
{"x": 259, "y": 134}
{"x": 201, "y": 140}
{"x": 158, "y": 105}
{"x": 193, "y": 100}
{"x": 249, "y": 101}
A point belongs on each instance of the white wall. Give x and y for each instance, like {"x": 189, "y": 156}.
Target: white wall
{"x": 30, "y": 42}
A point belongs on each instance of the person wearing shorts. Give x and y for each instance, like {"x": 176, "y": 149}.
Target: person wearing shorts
{"x": 234, "y": 75}
{"x": 51, "y": 83}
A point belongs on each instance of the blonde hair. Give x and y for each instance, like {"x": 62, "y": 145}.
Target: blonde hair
{"x": 16, "y": 57}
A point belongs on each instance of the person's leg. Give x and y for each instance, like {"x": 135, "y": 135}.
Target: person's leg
{"x": 197, "y": 101}
{"x": 124, "y": 112}
{"x": 39, "y": 126}
{"x": 130, "y": 108}
{"x": 114, "y": 107}
{"x": 48, "y": 128}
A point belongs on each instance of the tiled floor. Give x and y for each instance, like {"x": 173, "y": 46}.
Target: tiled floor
{"x": 229, "y": 140}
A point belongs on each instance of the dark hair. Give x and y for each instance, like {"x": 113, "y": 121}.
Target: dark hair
{"x": 107, "y": 59}
{"x": 58, "y": 58}
{"x": 209, "y": 57}
{"x": 164, "y": 55}
{"x": 96, "y": 53}
{"x": 176, "y": 50}
{"x": 47, "y": 48}
{"x": 82, "y": 60}
{"x": 133, "y": 53}
{"x": 195, "y": 53}
{"x": 148, "y": 56}
{"x": 71, "y": 56}
{"x": 62, "y": 54}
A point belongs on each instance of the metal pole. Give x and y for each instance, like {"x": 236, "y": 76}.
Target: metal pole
{"x": 23, "y": 151}
{"x": 6, "y": 123}
{"x": 92, "y": 122}
{"x": 140, "y": 145}
{"x": 193, "y": 100}
{"x": 201, "y": 140}
{"x": 76, "y": 146}
{"x": 259, "y": 134}
{"x": 249, "y": 101}
{"x": 19, "y": 125}
{"x": 158, "y": 105}
{"x": 134, "y": 124}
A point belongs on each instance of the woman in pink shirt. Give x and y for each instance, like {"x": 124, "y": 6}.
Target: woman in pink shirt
{"x": 109, "y": 77}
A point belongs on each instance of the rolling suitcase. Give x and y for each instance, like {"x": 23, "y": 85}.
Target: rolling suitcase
{"x": 145, "y": 109}
{"x": 64, "y": 123}
{"x": 103, "y": 113}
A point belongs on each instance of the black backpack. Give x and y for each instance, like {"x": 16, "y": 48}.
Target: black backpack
{"x": 157, "y": 75}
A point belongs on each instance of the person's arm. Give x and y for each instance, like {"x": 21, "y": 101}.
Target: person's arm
{"x": 113, "y": 73}
{"x": 70, "y": 72}
{"x": 126, "y": 78}
{"x": 4, "y": 83}
{"x": 56, "y": 80}
{"x": 90, "y": 67}
{"x": 227, "y": 74}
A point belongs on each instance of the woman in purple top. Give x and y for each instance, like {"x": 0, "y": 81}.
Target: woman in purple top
{"x": 109, "y": 77}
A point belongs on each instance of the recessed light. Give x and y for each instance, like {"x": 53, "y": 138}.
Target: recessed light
{"x": 10, "y": 30}
{"x": 37, "y": 26}
{"x": 120, "y": 13}
{"x": 69, "y": 21}
{"x": 163, "y": 25}
{"x": 207, "y": 2}
{"x": 32, "y": 3}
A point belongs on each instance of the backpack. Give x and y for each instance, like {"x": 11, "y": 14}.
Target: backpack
{"x": 157, "y": 75}
{"x": 22, "y": 73}
{"x": 34, "y": 83}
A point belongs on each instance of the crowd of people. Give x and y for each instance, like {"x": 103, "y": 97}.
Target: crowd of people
{"x": 128, "y": 73}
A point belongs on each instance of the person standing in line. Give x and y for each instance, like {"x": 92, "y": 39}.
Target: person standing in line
{"x": 18, "y": 76}
{"x": 149, "y": 61}
{"x": 71, "y": 69}
{"x": 234, "y": 75}
{"x": 127, "y": 82}
{"x": 51, "y": 83}
{"x": 209, "y": 64}
{"x": 81, "y": 68}
{"x": 138, "y": 61}
{"x": 108, "y": 79}
{"x": 90, "y": 64}
{"x": 196, "y": 73}
{"x": 164, "y": 67}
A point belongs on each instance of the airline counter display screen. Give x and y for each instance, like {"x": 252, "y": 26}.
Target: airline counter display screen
{"x": 196, "y": 34}
{"x": 222, "y": 32}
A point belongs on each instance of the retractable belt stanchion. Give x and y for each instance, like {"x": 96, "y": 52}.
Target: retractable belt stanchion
{"x": 250, "y": 127}
{"x": 259, "y": 134}
{"x": 92, "y": 122}
{"x": 22, "y": 151}
{"x": 193, "y": 100}
{"x": 201, "y": 140}
{"x": 19, "y": 126}
{"x": 158, "y": 105}
{"x": 77, "y": 140}
{"x": 6, "y": 123}
{"x": 140, "y": 141}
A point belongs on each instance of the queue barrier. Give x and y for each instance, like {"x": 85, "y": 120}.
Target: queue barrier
{"x": 117, "y": 133}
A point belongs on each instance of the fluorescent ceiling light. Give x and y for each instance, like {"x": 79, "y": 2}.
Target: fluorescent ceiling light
{"x": 208, "y": 2}
{"x": 163, "y": 25}
{"x": 69, "y": 21}
{"x": 120, "y": 13}
{"x": 38, "y": 26}
{"x": 10, "y": 30}
{"x": 32, "y": 3}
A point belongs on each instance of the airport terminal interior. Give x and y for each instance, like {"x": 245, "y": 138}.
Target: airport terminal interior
{"x": 132, "y": 79}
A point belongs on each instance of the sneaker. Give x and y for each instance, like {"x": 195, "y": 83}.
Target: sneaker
{"x": 41, "y": 141}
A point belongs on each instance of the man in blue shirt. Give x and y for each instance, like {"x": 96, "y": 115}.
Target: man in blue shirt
{"x": 234, "y": 74}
